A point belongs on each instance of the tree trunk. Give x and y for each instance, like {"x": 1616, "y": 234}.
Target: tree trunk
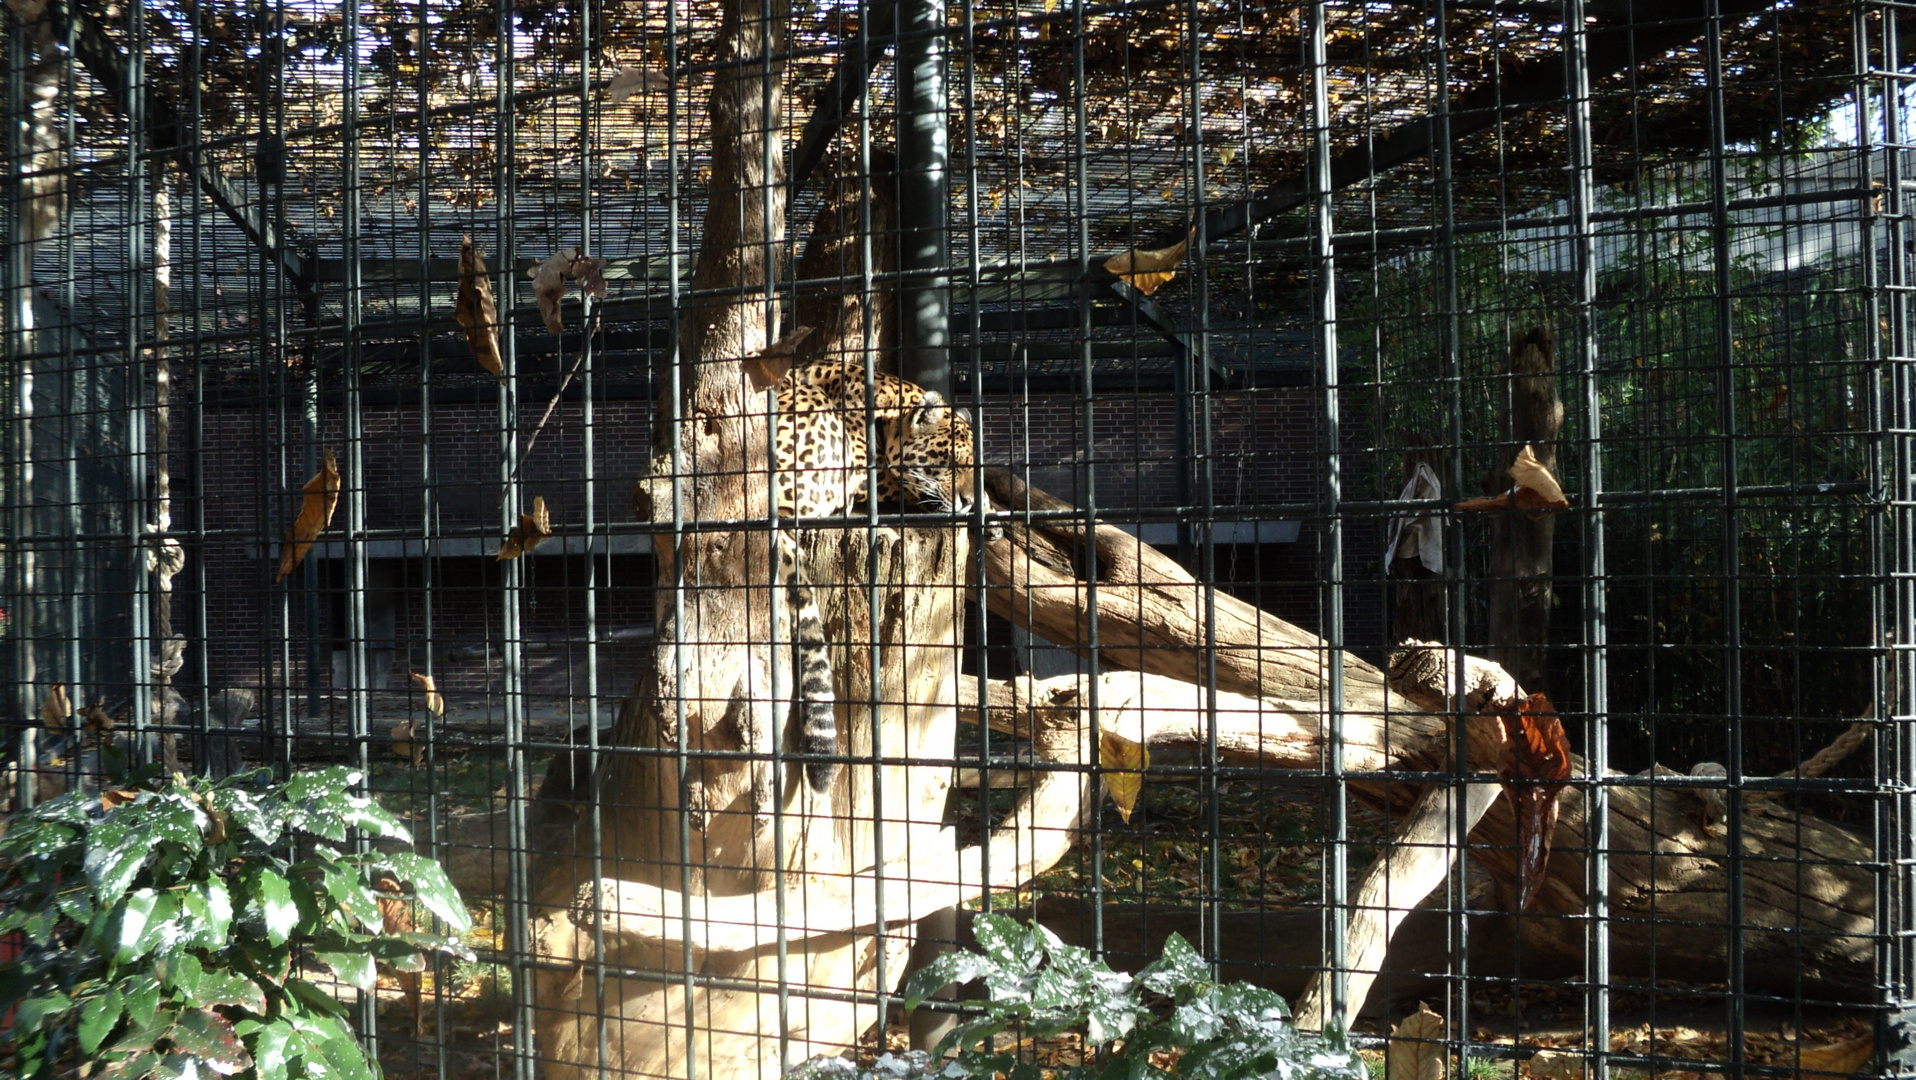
{"x": 1521, "y": 572}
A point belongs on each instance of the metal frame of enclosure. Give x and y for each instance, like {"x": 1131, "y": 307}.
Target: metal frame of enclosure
{"x": 233, "y": 235}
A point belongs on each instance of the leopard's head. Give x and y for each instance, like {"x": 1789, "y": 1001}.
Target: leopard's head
{"x": 935, "y": 460}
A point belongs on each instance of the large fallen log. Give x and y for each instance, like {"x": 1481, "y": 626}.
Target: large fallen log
{"x": 1808, "y": 903}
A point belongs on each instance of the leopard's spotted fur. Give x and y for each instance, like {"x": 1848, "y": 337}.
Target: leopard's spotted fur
{"x": 924, "y": 458}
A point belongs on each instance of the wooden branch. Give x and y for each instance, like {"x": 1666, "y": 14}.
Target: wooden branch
{"x": 1152, "y": 613}
{"x": 1040, "y": 830}
{"x": 1416, "y": 862}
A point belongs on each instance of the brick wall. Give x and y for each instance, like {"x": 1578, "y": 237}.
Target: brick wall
{"x": 1265, "y": 450}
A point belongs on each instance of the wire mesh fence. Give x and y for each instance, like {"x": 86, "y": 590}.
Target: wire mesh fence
{"x": 1413, "y": 498}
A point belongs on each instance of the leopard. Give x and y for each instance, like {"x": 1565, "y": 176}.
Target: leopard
{"x": 825, "y": 467}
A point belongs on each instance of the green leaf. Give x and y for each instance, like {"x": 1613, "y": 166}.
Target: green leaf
{"x": 358, "y": 969}
{"x": 134, "y": 919}
{"x": 174, "y": 818}
{"x": 208, "y": 1036}
{"x": 264, "y": 820}
{"x": 315, "y": 999}
{"x": 339, "y": 1049}
{"x": 219, "y": 987}
{"x": 275, "y": 899}
{"x": 98, "y": 1018}
{"x": 367, "y": 814}
{"x": 142, "y": 995}
{"x": 945, "y": 969}
{"x": 320, "y": 785}
{"x": 76, "y": 904}
{"x": 113, "y": 859}
{"x": 209, "y": 908}
{"x": 34, "y": 1012}
{"x": 181, "y": 972}
{"x": 1178, "y": 973}
{"x": 343, "y": 882}
{"x": 429, "y": 882}
{"x": 269, "y": 1050}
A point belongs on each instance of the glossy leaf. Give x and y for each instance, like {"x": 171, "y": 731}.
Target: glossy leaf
{"x": 356, "y": 969}
{"x": 275, "y": 900}
{"x": 97, "y": 1019}
{"x": 429, "y": 882}
{"x": 209, "y": 1037}
{"x": 113, "y": 860}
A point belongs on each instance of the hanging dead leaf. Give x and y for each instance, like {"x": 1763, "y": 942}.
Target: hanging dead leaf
{"x": 1144, "y": 270}
{"x": 1837, "y": 1059}
{"x": 1124, "y": 763}
{"x": 1536, "y": 768}
{"x": 1227, "y": 153}
{"x": 548, "y": 282}
{"x": 1535, "y": 488}
{"x": 548, "y": 285}
{"x": 1416, "y": 1047}
{"x": 532, "y": 531}
{"x": 405, "y": 745}
{"x": 54, "y": 709}
{"x": 435, "y": 704}
{"x": 636, "y": 80}
{"x": 97, "y": 719}
{"x": 475, "y": 310}
{"x": 315, "y": 513}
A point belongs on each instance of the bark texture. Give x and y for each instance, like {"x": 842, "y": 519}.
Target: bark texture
{"x": 1521, "y": 566}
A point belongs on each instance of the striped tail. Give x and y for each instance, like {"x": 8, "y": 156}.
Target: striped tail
{"x": 820, "y": 734}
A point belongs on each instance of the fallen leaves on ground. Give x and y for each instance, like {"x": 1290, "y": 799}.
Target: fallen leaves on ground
{"x": 1535, "y": 488}
{"x": 1146, "y": 271}
{"x": 1416, "y": 1048}
{"x": 315, "y": 513}
{"x": 548, "y": 282}
{"x": 532, "y": 530}
{"x": 475, "y": 310}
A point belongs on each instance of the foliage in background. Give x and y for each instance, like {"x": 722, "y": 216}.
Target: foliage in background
{"x": 1801, "y": 396}
{"x": 1171, "y": 1019}
{"x": 161, "y": 926}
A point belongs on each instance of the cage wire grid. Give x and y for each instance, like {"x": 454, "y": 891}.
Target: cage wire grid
{"x": 233, "y": 245}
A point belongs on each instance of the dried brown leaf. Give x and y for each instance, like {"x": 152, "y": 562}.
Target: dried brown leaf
{"x": 435, "y": 704}
{"x": 405, "y": 744}
{"x": 1534, "y": 774}
{"x": 531, "y": 531}
{"x": 112, "y": 797}
{"x": 97, "y": 719}
{"x": 315, "y": 513}
{"x": 1416, "y": 1047}
{"x": 1146, "y": 271}
{"x": 1124, "y": 763}
{"x": 636, "y": 80}
{"x": 1535, "y": 488}
{"x": 1838, "y": 1059}
{"x": 55, "y": 709}
{"x": 548, "y": 282}
{"x": 475, "y": 310}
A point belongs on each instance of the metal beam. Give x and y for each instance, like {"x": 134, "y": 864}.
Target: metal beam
{"x": 103, "y": 59}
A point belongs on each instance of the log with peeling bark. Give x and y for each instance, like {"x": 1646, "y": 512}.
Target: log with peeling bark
{"x": 1150, "y": 615}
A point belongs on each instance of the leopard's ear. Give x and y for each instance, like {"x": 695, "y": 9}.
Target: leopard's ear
{"x": 930, "y": 411}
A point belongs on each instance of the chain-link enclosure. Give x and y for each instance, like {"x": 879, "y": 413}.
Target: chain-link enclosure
{"x": 1414, "y": 498}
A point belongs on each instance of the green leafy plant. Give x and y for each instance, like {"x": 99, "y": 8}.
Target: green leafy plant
{"x": 161, "y": 927}
{"x": 1170, "y": 1016}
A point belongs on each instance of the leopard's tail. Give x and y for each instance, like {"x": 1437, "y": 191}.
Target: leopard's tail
{"x": 820, "y": 733}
